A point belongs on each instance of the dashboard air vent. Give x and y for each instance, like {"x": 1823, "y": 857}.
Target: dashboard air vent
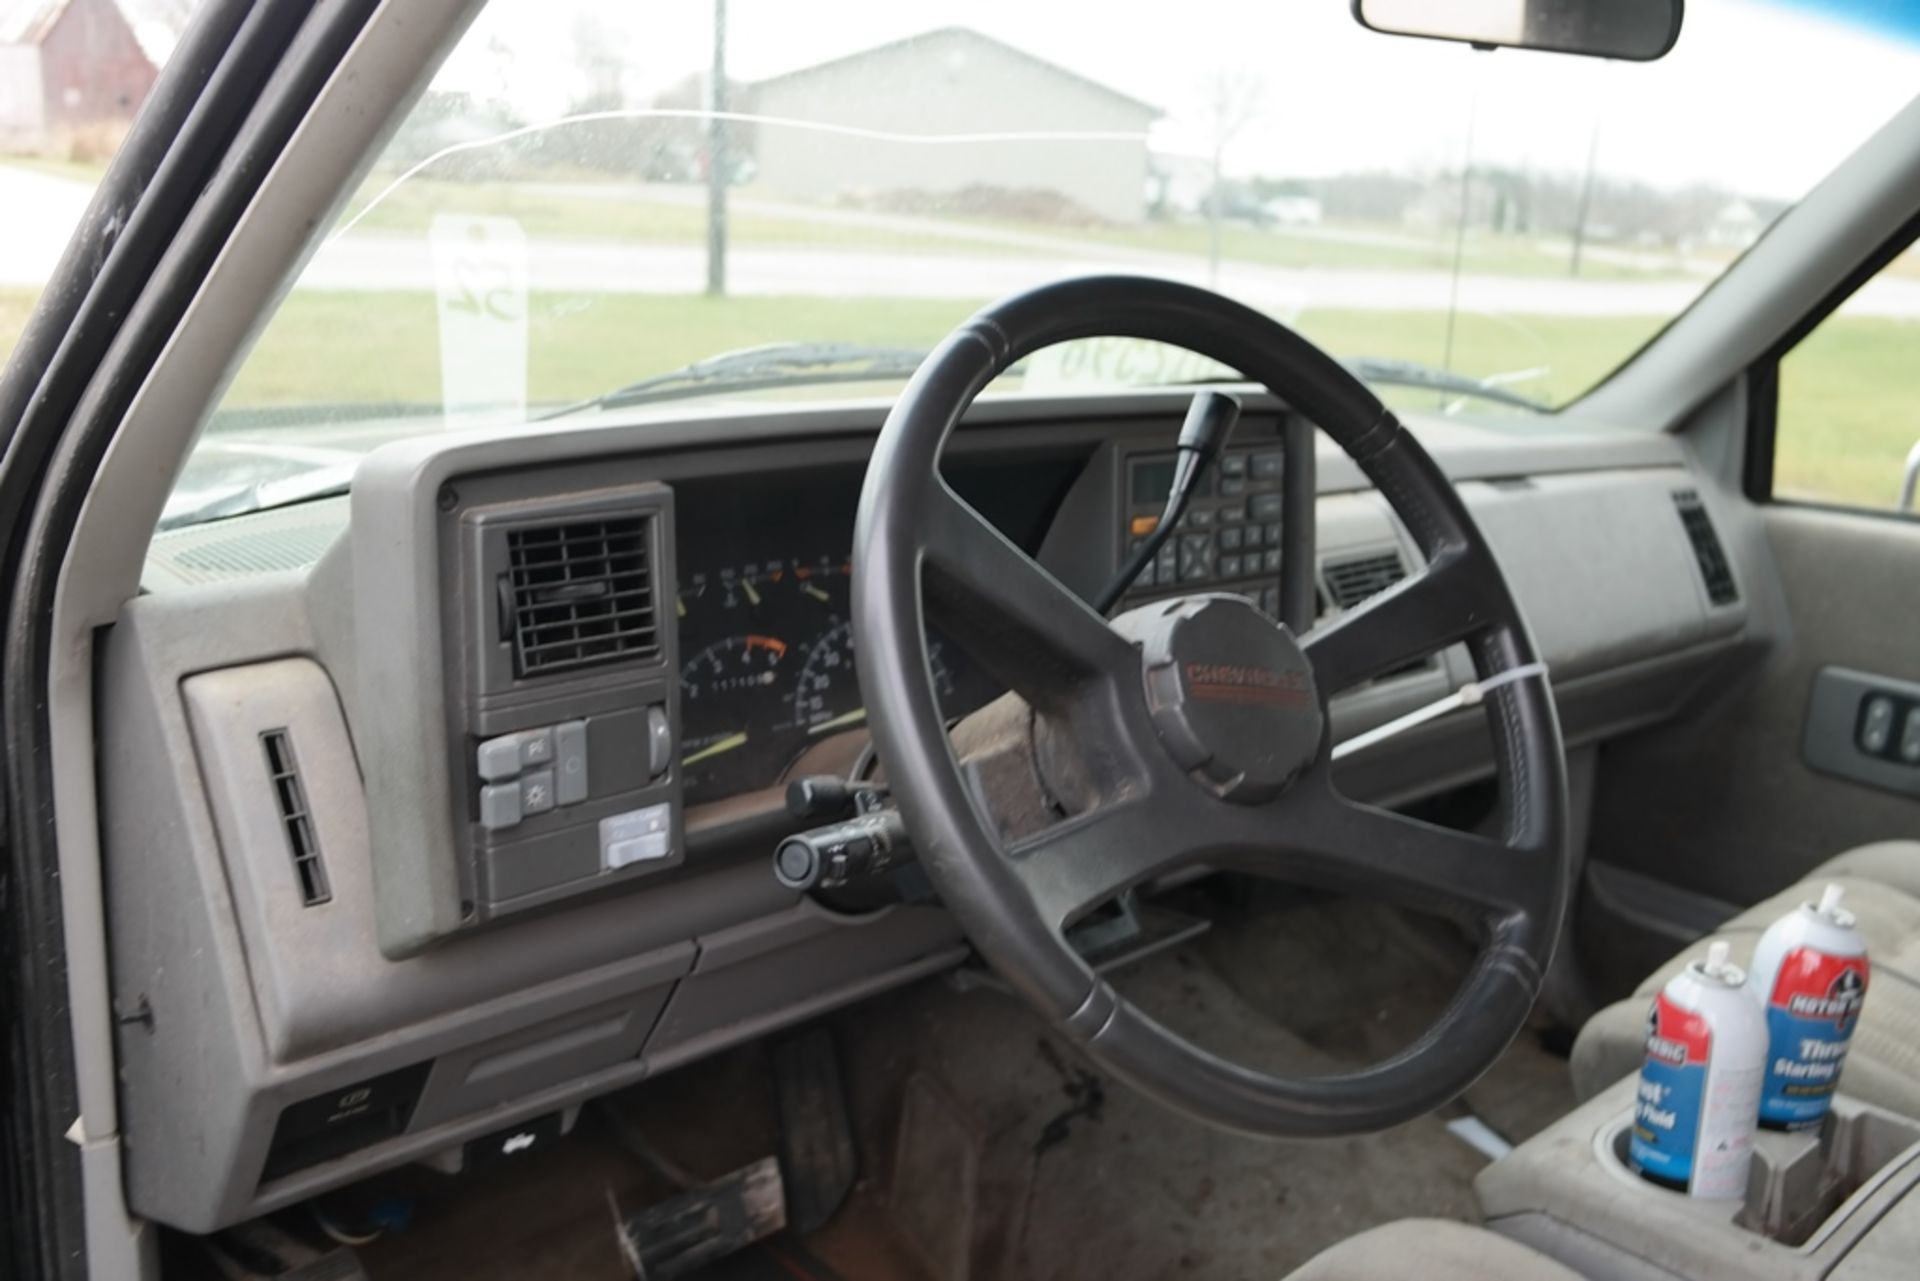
{"x": 1715, "y": 572}
{"x": 1356, "y": 578}
{"x": 579, "y": 594}
{"x": 295, "y": 821}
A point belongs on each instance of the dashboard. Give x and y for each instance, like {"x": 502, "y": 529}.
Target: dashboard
{"x": 449, "y": 806}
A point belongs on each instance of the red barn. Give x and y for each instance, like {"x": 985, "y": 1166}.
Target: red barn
{"x": 68, "y": 67}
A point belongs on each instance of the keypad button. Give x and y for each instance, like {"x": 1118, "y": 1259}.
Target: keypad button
{"x": 1229, "y": 538}
{"x": 1267, "y": 464}
{"x": 1270, "y": 562}
{"x": 1233, "y": 465}
{"x": 1229, "y": 567}
{"x": 1264, "y": 507}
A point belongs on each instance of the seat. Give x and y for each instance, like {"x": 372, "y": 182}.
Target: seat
{"x": 1883, "y": 1067}
{"x": 1433, "y": 1250}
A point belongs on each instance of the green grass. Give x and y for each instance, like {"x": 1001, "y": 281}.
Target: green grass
{"x": 87, "y": 171}
{"x": 1844, "y": 423}
{"x": 1844, "y": 431}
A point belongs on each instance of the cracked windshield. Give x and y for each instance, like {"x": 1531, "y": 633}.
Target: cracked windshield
{"x": 597, "y": 205}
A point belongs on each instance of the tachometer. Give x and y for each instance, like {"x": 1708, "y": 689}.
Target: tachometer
{"x": 722, "y": 691}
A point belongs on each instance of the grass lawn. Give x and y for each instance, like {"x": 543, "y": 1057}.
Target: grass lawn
{"x": 87, "y": 171}
{"x": 1843, "y": 429}
{"x": 1844, "y": 423}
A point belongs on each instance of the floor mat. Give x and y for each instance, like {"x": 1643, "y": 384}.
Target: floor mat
{"x": 989, "y": 1148}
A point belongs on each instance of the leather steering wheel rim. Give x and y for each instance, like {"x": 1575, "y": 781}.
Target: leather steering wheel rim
{"x": 921, "y": 552}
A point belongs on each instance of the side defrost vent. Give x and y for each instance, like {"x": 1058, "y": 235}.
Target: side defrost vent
{"x": 579, "y": 595}
{"x": 1357, "y": 578}
{"x": 1715, "y": 572}
{"x": 302, "y": 844}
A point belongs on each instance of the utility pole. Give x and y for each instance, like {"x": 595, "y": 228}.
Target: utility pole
{"x": 1213, "y": 218}
{"x": 1586, "y": 198}
{"x": 717, "y": 160}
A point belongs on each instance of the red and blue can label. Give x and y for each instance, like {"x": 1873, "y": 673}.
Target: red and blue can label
{"x": 1811, "y": 1014}
{"x": 1673, "y": 1087}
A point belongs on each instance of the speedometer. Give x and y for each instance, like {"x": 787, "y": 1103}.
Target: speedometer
{"x": 826, "y": 696}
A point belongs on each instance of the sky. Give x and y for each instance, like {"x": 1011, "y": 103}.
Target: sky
{"x": 1758, "y": 96}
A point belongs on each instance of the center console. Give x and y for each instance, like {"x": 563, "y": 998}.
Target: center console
{"x": 1840, "y": 1203}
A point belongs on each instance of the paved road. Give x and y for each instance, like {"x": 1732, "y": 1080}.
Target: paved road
{"x": 374, "y": 260}
{"x": 40, "y": 208}
{"x": 38, "y": 213}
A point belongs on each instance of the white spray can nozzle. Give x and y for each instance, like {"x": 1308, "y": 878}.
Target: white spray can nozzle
{"x": 1830, "y": 899}
{"x": 1716, "y": 958}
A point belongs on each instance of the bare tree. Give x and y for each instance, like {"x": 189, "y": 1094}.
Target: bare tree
{"x": 1232, "y": 99}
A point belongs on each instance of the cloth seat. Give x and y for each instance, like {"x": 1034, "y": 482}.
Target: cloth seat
{"x": 1883, "y": 1066}
{"x": 1432, "y": 1250}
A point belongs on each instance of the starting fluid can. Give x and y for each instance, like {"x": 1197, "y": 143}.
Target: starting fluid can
{"x": 1810, "y": 973}
{"x": 1693, "y": 1120}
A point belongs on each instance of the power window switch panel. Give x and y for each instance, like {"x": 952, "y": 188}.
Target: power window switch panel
{"x": 500, "y": 806}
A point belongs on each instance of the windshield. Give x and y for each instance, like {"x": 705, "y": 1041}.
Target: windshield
{"x": 592, "y": 197}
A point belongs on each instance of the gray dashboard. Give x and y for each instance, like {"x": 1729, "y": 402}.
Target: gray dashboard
{"x": 330, "y": 952}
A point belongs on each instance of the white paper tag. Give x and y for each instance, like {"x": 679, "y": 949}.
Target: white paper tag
{"x": 480, "y": 276}
{"x": 1118, "y": 362}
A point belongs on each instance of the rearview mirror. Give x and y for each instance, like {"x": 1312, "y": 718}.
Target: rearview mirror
{"x": 1635, "y": 30}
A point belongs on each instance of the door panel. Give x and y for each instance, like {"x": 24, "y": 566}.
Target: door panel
{"x": 1724, "y": 803}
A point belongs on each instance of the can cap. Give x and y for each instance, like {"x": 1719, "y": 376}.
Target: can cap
{"x": 1718, "y": 968}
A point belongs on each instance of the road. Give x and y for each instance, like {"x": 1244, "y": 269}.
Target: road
{"x": 40, "y": 213}
{"x": 41, "y": 208}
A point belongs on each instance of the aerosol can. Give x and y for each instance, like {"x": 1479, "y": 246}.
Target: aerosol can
{"x": 1810, "y": 973}
{"x": 1693, "y": 1121}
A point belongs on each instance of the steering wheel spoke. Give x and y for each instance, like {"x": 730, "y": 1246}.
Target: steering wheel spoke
{"x": 1084, "y": 861}
{"x": 1018, "y": 621}
{"x": 1441, "y": 604}
{"x": 1326, "y": 839}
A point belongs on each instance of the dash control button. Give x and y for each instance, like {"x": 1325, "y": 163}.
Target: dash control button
{"x": 500, "y": 806}
{"x": 536, "y": 792}
{"x": 570, "y": 762}
{"x": 638, "y": 836}
{"x": 499, "y": 758}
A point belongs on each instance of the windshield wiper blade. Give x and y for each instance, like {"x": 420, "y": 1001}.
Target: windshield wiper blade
{"x": 1411, "y": 373}
{"x": 796, "y": 364}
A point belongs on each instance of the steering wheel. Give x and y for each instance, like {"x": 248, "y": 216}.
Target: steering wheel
{"x": 1192, "y": 731}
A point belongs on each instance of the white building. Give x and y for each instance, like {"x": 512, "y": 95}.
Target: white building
{"x": 951, "y": 81}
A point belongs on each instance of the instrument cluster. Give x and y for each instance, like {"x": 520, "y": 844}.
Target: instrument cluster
{"x": 766, "y": 647}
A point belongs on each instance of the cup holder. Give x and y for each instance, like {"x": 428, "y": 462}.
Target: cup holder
{"x": 1798, "y": 1181}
